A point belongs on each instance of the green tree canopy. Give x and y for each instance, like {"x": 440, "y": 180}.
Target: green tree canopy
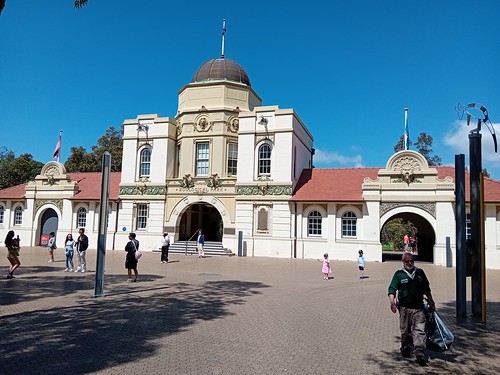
{"x": 81, "y": 161}
{"x": 423, "y": 146}
{"x": 15, "y": 171}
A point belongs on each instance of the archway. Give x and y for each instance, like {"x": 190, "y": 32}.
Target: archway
{"x": 49, "y": 222}
{"x": 425, "y": 237}
{"x": 204, "y": 216}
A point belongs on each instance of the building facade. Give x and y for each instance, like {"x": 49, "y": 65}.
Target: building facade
{"x": 227, "y": 164}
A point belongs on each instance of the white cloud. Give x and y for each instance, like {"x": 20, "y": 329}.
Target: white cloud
{"x": 332, "y": 159}
{"x": 458, "y": 139}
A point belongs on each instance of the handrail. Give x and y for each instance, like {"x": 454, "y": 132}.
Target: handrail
{"x": 187, "y": 242}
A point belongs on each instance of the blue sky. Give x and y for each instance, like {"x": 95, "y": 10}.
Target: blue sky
{"x": 347, "y": 68}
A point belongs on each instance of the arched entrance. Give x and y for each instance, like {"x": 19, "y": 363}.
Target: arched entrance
{"x": 425, "y": 237}
{"x": 201, "y": 216}
{"x": 48, "y": 223}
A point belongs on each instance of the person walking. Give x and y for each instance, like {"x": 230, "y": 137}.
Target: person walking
{"x": 326, "y": 267}
{"x": 130, "y": 260}
{"x": 69, "y": 243}
{"x": 200, "y": 242}
{"x": 165, "y": 245}
{"x": 82, "y": 244}
{"x": 361, "y": 264}
{"x": 13, "y": 248}
{"x": 51, "y": 246}
{"x": 409, "y": 285}
{"x": 406, "y": 241}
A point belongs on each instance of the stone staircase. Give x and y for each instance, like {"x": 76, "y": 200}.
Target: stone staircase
{"x": 211, "y": 248}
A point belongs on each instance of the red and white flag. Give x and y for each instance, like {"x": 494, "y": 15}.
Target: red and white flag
{"x": 57, "y": 151}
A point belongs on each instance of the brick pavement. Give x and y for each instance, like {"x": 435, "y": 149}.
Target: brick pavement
{"x": 223, "y": 315}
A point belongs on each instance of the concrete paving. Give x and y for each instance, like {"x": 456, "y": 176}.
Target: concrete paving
{"x": 225, "y": 315}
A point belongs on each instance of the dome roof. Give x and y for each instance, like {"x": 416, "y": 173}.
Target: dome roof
{"x": 221, "y": 69}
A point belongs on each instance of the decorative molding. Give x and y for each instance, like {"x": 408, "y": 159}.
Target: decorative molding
{"x": 429, "y": 207}
{"x": 407, "y": 166}
{"x": 142, "y": 190}
{"x": 233, "y": 125}
{"x": 187, "y": 181}
{"x": 56, "y": 202}
{"x": 409, "y": 179}
{"x": 261, "y": 138}
{"x": 264, "y": 190}
{"x": 179, "y": 129}
{"x": 203, "y": 124}
{"x": 214, "y": 181}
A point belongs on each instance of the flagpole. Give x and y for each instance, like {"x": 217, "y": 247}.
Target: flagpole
{"x": 59, "y": 145}
{"x": 223, "y": 34}
{"x": 407, "y": 134}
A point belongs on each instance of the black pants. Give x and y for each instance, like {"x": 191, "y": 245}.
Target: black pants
{"x": 164, "y": 253}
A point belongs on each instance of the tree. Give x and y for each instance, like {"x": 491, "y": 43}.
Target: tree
{"x": 81, "y": 161}
{"x": 423, "y": 146}
{"x": 400, "y": 146}
{"x": 394, "y": 230}
{"x": 15, "y": 171}
{"x": 76, "y": 4}
{"x": 80, "y": 3}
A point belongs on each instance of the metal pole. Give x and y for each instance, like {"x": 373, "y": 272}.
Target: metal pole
{"x": 240, "y": 243}
{"x": 103, "y": 225}
{"x": 461, "y": 243}
{"x": 475, "y": 218}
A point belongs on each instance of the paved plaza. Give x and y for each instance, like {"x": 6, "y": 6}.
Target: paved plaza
{"x": 225, "y": 315}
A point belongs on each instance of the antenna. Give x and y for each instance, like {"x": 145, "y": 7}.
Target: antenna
{"x": 223, "y": 34}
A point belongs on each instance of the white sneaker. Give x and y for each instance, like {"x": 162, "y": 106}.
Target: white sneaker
{"x": 50, "y": 260}
{"x": 70, "y": 270}
{"x": 82, "y": 271}
{"x": 66, "y": 270}
{"x": 77, "y": 270}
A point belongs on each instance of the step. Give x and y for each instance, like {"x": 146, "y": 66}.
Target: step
{"x": 210, "y": 248}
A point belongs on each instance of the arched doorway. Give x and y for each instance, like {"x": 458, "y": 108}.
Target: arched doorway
{"x": 204, "y": 216}
{"x": 425, "y": 237}
{"x": 48, "y": 223}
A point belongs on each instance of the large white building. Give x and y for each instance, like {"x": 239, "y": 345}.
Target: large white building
{"x": 227, "y": 164}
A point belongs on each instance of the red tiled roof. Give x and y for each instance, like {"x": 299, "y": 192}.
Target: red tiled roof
{"x": 345, "y": 184}
{"x": 90, "y": 185}
{"x": 13, "y": 192}
{"x": 338, "y": 184}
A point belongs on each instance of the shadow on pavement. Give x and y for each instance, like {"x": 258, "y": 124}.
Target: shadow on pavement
{"x": 474, "y": 341}
{"x": 93, "y": 334}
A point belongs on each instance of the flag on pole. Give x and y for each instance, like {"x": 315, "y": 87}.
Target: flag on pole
{"x": 407, "y": 132}
{"x": 223, "y": 27}
{"x": 57, "y": 151}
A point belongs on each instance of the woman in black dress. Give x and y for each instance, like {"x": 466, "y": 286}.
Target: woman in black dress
{"x": 130, "y": 261}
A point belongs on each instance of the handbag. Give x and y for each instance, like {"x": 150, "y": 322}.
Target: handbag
{"x": 137, "y": 253}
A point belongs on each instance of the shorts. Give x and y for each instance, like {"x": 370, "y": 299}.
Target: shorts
{"x": 361, "y": 268}
{"x": 13, "y": 257}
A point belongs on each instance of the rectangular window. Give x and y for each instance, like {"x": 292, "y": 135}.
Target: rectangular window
{"x": 232, "y": 159}
{"x": 202, "y": 159}
{"x": 18, "y": 216}
{"x": 142, "y": 216}
{"x": 1, "y": 214}
{"x": 82, "y": 218}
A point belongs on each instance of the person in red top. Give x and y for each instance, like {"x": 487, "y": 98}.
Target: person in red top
{"x": 406, "y": 241}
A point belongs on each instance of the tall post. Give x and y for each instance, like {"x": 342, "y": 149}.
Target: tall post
{"x": 476, "y": 225}
{"x": 103, "y": 224}
{"x": 461, "y": 242}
